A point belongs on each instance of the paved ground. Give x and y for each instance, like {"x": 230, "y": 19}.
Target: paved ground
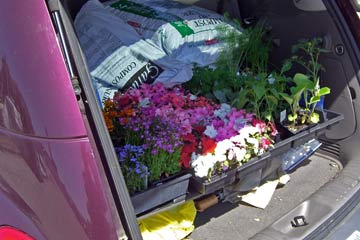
{"x": 237, "y": 221}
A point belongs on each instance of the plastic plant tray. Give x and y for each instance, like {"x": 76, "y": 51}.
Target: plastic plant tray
{"x": 162, "y": 193}
{"x": 252, "y": 173}
{"x": 205, "y": 186}
{"x": 257, "y": 169}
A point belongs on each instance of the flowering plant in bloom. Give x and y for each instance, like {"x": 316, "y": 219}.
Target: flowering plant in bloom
{"x": 134, "y": 171}
{"x": 175, "y": 128}
{"x": 239, "y": 137}
{"x": 156, "y": 119}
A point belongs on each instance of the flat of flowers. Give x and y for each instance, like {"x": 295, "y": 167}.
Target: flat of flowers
{"x": 252, "y": 173}
{"x": 165, "y": 191}
{"x": 257, "y": 169}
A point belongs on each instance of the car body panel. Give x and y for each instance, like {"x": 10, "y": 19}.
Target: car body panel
{"x": 52, "y": 183}
{"x": 34, "y": 79}
{"x": 55, "y": 186}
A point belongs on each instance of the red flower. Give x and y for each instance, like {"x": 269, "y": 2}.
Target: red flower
{"x": 125, "y": 100}
{"x": 186, "y": 152}
{"x": 274, "y": 131}
{"x": 199, "y": 129}
{"x": 208, "y": 144}
{"x": 265, "y": 143}
{"x": 190, "y": 138}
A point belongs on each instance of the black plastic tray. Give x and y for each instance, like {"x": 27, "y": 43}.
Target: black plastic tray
{"x": 162, "y": 193}
{"x": 253, "y": 172}
{"x": 205, "y": 186}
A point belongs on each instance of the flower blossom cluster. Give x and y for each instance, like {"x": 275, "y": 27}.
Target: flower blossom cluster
{"x": 175, "y": 128}
{"x": 134, "y": 171}
{"x": 247, "y": 143}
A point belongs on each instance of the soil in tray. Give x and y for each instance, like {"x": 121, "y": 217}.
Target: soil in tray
{"x": 288, "y": 129}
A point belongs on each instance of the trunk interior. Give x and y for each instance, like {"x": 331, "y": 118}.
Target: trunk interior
{"x": 326, "y": 184}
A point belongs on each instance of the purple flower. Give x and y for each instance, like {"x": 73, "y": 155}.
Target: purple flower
{"x": 154, "y": 152}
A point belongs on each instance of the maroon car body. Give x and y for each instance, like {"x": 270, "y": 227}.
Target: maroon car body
{"x": 48, "y": 166}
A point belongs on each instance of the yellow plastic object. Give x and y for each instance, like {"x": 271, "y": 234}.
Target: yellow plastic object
{"x": 173, "y": 224}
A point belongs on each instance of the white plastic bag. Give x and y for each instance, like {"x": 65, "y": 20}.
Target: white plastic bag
{"x": 187, "y": 33}
{"x": 118, "y": 58}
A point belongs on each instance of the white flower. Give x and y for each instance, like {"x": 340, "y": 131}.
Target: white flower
{"x": 253, "y": 141}
{"x": 271, "y": 79}
{"x": 221, "y": 149}
{"x": 246, "y": 133}
{"x": 239, "y": 139}
{"x": 248, "y": 130}
{"x": 210, "y": 131}
{"x": 202, "y": 164}
{"x": 237, "y": 153}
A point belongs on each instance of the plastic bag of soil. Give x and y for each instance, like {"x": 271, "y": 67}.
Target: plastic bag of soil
{"x": 117, "y": 56}
{"x": 187, "y": 33}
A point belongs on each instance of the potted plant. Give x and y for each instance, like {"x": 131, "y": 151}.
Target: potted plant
{"x": 241, "y": 77}
{"x": 306, "y": 93}
{"x": 242, "y": 80}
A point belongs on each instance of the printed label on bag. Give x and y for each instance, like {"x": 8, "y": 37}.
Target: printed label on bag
{"x": 144, "y": 11}
{"x": 131, "y": 7}
{"x": 147, "y": 74}
{"x": 123, "y": 69}
{"x": 208, "y": 22}
{"x": 182, "y": 28}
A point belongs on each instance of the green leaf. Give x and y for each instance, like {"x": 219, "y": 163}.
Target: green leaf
{"x": 292, "y": 117}
{"x": 314, "y": 117}
{"x": 259, "y": 90}
{"x": 302, "y": 80}
{"x": 240, "y": 99}
{"x": 303, "y": 119}
{"x": 314, "y": 99}
{"x": 286, "y": 67}
{"x": 287, "y": 98}
{"x": 275, "y": 92}
{"x": 272, "y": 99}
{"x": 324, "y": 91}
{"x": 296, "y": 93}
{"x": 220, "y": 96}
{"x": 268, "y": 117}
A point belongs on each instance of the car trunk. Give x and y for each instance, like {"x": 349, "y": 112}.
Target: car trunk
{"x": 323, "y": 187}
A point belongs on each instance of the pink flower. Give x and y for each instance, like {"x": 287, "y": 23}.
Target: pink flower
{"x": 265, "y": 143}
{"x": 259, "y": 124}
{"x": 274, "y": 131}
